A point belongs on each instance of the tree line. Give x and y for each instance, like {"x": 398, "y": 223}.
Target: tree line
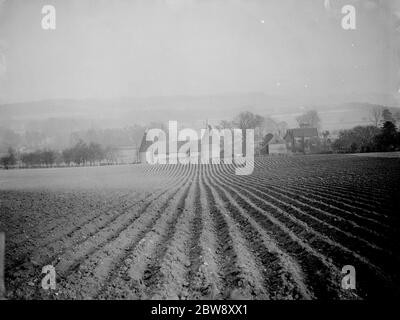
{"x": 368, "y": 139}
{"x": 56, "y": 136}
{"x": 81, "y": 153}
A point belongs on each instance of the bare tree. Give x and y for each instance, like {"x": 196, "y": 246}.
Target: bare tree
{"x": 282, "y": 128}
{"x": 310, "y": 119}
{"x": 224, "y": 124}
{"x": 387, "y": 116}
{"x": 325, "y": 135}
{"x": 10, "y": 159}
{"x": 375, "y": 116}
{"x": 247, "y": 120}
{"x": 397, "y": 117}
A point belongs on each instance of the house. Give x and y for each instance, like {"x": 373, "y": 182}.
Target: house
{"x": 277, "y": 145}
{"x": 186, "y": 155}
{"x": 304, "y": 140}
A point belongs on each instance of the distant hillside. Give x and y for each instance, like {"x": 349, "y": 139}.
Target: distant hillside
{"x": 190, "y": 110}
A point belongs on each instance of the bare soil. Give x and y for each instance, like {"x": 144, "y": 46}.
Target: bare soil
{"x": 202, "y": 232}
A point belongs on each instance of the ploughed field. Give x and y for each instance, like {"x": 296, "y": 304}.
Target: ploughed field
{"x": 202, "y": 232}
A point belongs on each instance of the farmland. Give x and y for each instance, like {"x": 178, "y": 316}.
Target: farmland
{"x": 202, "y": 232}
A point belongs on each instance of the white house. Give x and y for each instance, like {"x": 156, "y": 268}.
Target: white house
{"x": 277, "y": 145}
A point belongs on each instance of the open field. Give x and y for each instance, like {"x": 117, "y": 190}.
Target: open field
{"x": 178, "y": 232}
{"x": 395, "y": 154}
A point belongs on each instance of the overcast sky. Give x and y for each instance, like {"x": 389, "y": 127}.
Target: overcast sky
{"x": 110, "y": 48}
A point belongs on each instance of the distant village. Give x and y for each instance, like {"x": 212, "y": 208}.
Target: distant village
{"x": 115, "y": 147}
